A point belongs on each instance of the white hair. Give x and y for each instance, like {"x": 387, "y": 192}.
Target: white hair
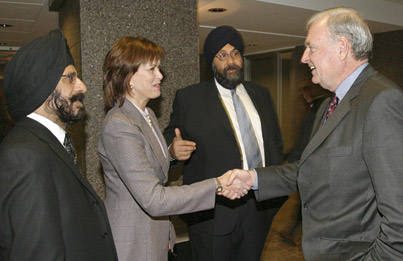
{"x": 343, "y": 21}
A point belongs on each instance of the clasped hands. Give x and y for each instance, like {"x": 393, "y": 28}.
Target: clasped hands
{"x": 236, "y": 183}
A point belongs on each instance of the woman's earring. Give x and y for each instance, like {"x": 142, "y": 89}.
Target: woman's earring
{"x": 131, "y": 86}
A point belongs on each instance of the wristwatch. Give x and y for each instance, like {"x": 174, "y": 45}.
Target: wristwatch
{"x": 219, "y": 186}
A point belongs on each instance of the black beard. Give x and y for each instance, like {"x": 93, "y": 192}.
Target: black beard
{"x": 64, "y": 109}
{"x": 224, "y": 80}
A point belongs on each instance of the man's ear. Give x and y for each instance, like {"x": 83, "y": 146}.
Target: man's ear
{"x": 48, "y": 107}
{"x": 344, "y": 46}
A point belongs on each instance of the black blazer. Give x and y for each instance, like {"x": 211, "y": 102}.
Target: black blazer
{"x": 199, "y": 113}
{"x": 48, "y": 210}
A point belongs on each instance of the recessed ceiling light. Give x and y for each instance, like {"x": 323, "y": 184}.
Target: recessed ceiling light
{"x": 6, "y": 25}
{"x": 252, "y": 45}
{"x": 217, "y": 10}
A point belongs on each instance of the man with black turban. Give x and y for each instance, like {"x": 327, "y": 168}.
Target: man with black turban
{"x": 48, "y": 210}
{"x": 218, "y": 125}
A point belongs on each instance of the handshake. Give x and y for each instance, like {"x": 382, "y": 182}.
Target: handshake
{"x": 236, "y": 183}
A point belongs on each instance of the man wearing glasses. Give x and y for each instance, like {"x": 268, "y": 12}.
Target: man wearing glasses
{"x": 218, "y": 125}
{"x": 48, "y": 210}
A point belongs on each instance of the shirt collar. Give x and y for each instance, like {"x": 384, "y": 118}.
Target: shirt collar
{"x": 227, "y": 92}
{"x": 144, "y": 113}
{"x": 345, "y": 85}
{"x": 56, "y": 130}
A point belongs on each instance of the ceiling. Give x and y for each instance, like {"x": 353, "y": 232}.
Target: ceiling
{"x": 276, "y": 24}
{"x": 264, "y": 24}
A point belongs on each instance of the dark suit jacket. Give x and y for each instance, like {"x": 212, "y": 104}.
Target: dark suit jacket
{"x": 48, "y": 210}
{"x": 199, "y": 113}
{"x": 350, "y": 176}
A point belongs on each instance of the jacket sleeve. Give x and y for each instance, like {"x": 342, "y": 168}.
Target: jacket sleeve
{"x": 30, "y": 212}
{"x": 276, "y": 181}
{"x": 382, "y": 151}
{"x": 128, "y": 151}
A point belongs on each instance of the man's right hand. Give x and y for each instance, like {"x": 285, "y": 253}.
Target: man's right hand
{"x": 238, "y": 183}
{"x": 181, "y": 149}
{"x": 235, "y": 183}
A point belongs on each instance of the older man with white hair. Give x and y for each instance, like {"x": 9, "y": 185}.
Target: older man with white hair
{"x": 350, "y": 176}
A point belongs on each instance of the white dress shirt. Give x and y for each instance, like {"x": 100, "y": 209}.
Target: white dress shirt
{"x": 252, "y": 113}
{"x": 55, "y": 129}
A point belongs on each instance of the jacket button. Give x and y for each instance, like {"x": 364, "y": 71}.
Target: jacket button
{"x": 105, "y": 235}
{"x": 95, "y": 203}
{"x": 305, "y": 206}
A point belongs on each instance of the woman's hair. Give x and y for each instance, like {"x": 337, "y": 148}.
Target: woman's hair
{"x": 122, "y": 62}
{"x": 343, "y": 21}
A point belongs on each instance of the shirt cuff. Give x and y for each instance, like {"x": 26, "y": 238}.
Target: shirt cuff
{"x": 256, "y": 185}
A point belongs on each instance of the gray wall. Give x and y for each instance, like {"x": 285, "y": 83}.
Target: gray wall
{"x": 98, "y": 24}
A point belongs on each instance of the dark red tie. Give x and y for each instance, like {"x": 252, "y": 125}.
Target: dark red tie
{"x": 332, "y": 105}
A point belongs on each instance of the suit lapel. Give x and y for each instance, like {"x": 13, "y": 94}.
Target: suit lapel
{"x": 164, "y": 161}
{"x": 342, "y": 109}
{"x": 337, "y": 116}
{"x": 137, "y": 119}
{"x": 62, "y": 153}
{"x": 45, "y": 135}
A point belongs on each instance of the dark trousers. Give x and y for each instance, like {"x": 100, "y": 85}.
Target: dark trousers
{"x": 244, "y": 243}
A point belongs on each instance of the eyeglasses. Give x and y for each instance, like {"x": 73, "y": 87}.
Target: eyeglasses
{"x": 72, "y": 77}
{"x": 235, "y": 54}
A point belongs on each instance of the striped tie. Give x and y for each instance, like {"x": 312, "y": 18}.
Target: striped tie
{"x": 250, "y": 144}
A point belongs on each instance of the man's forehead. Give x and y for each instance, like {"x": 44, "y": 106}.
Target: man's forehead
{"x": 228, "y": 47}
{"x": 70, "y": 69}
{"x": 316, "y": 32}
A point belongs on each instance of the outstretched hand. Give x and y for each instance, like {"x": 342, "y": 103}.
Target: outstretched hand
{"x": 236, "y": 183}
{"x": 181, "y": 149}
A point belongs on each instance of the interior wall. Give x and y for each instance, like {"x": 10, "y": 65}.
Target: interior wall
{"x": 388, "y": 55}
{"x": 281, "y": 73}
{"x": 301, "y": 74}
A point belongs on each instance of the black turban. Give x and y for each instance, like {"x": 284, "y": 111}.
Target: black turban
{"x": 218, "y": 38}
{"x": 33, "y": 73}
